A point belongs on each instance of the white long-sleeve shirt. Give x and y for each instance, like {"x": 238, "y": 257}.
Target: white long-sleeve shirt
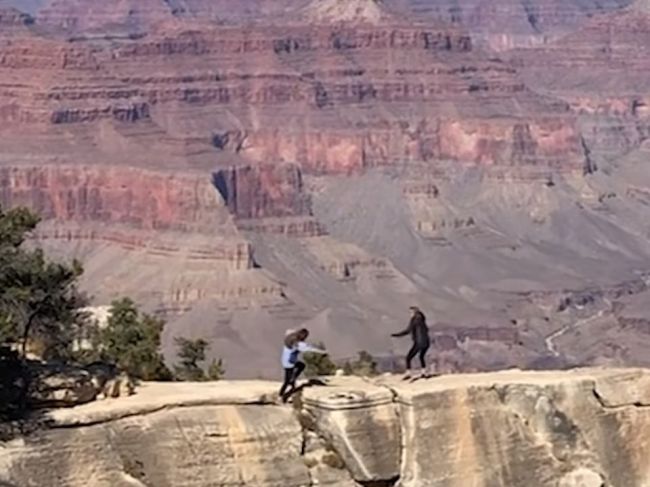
{"x": 290, "y": 355}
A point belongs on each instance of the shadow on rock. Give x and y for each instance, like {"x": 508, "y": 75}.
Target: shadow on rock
{"x": 297, "y": 392}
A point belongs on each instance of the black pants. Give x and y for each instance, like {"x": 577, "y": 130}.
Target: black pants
{"x": 417, "y": 348}
{"x": 291, "y": 376}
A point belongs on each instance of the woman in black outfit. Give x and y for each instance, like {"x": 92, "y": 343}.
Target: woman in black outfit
{"x": 419, "y": 332}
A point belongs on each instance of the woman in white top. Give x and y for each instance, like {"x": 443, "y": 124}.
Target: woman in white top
{"x": 294, "y": 345}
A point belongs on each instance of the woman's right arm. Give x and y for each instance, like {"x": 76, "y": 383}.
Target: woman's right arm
{"x": 305, "y": 347}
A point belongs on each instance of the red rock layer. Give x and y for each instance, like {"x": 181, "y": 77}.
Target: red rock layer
{"x": 263, "y": 190}
{"x": 505, "y": 24}
{"x": 601, "y": 71}
{"x": 133, "y": 208}
{"x": 79, "y": 15}
{"x": 410, "y": 93}
{"x": 608, "y": 42}
{"x": 139, "y": 198}
{"x": 255, "y": 108}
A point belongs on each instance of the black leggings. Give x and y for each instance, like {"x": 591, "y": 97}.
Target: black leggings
{"x": 416, "y": 349}
{"x": 291, "y": 376}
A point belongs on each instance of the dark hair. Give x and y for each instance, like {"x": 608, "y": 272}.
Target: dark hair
{"x": 294, "y": 337}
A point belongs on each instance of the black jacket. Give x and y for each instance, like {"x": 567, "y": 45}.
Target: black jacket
{"x": 417, "y": 329}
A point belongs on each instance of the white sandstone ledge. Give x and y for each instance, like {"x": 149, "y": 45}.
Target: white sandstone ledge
{"x": 340, "y": 393}
{"x": 577, "y": 428}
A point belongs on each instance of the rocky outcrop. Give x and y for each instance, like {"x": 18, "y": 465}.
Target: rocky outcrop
{"x": 263, "y": 190}
{"x": 132, "y": 15}
{"x": 514, "y": 23}
{"x": 613, "y": 104}
{"x": 143, "y": 199}
{"x": 311, "y": 107}
{"x": 54, "y": 385}
{"x": 510, "y": 429}
{"x": 124, "y": 205}
{"x": 12, "y": 17}
{"x": 63, "y": 386}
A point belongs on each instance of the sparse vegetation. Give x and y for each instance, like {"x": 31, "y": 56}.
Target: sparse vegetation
{"x": 216, "y": 371}
{"x": 318, "y": 364}
{"x": 131, "y": 340}
{"x": 39, "y": 309}
{"x": 364, "y": 366}
{"x": 190, "y": 354}
{"x": 39, "y": 300}
{"x": 41, "y": 318}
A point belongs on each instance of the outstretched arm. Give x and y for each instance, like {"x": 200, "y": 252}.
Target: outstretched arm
{"x": 305, "y": 347}
{"x": 404, "y": 332}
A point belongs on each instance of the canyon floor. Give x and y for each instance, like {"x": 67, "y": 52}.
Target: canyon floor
{"x": 244, "y": 167}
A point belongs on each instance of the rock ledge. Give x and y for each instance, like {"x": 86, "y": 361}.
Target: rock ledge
{"x": 579, "y": 428}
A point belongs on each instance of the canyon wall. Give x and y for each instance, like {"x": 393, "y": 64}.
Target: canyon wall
{"x": 195, "y": 82}
{"x": 147, "y": 200}
{"x": 613, "y": 104}
{"x": 509, "y": 24}
{"x": 244, "y": 167}
{"x": 579, "y": 428}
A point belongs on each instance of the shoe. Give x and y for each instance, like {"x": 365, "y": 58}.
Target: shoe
{"x": 285, "y": 398}
{"x": 407, "y": 376}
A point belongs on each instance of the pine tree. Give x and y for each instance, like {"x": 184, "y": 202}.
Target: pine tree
{"x": 39, "y": 304}
{"x": 190, "y": 353}
{"x": 131, "y": 340}
{"x": 39, "y": 300}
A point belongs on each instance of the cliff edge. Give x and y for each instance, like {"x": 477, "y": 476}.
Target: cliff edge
{"x": 579, "y": 428}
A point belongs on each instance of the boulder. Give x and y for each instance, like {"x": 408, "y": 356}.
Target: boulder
{"x": 62, "y": 386}
{"x": 359, "y": 421}
{"x": 110, "y": 382}
{"x": 583, "y": 477}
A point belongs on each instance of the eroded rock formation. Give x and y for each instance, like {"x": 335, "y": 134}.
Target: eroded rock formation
{"x": 242, "y": 167}
{"x": 510, "y": 429}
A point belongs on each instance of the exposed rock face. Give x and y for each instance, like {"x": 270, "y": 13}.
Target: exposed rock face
{"x": 10, "y": 16}
{"x": 510, "y": 429}
{"x": 613, "y": 104}
{"x": 242, "y": 167}
{"x": 143, "y": 199}
{"x": 88, "y": 82}
{"x": 123, "y": 205}
{"x": 361, "y": 11}
{"x": 129, "y": 14}
{"x": 507, "y": 24}
{"x": 66, "y": 386}
{"x": 362, "y": 427}
{"x": 261, "y": 191}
